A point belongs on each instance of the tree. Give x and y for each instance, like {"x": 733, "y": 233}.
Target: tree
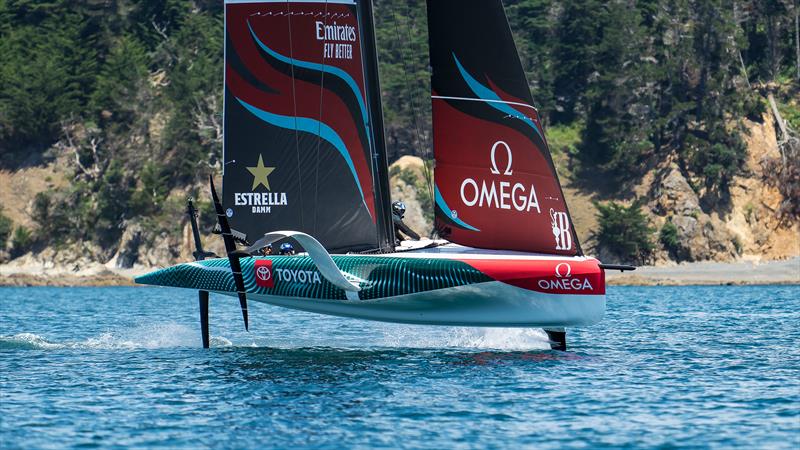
{"x": 577, "y": 30}
{"x": 713, "y": 150}
{"x": 668, "y": 236}
{"x": 120, "y": 77}
{"x": 532, "y": 24}
{"x": 6, "y": 225}
{"x": 195, "y": 74}
{"x": 619, "y": 114}
{"x": 623, "y": 232}
{"x": 401, "y": 32}
{"x": 46, "y": 70}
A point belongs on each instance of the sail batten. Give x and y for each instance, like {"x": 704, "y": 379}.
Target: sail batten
{"x": 524, "y": 105}
{"x": 495, "y": 183}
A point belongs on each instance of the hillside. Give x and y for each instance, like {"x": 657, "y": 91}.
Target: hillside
{"x": 658, "y": 117}
{"x": 749, "y": 229}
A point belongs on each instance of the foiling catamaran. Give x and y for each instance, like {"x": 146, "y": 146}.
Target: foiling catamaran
{"x": 305, "y": 151}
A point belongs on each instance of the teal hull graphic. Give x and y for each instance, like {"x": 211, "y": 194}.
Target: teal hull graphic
{"x": 297, "y": 276}
{"x": 433, "y": 291}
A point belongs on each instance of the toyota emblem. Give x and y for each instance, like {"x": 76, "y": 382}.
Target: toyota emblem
{"x": 263, "y": 273}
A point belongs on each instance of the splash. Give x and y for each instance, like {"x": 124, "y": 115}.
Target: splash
{"x": 508, "y": 339}
{"x": 175, "y": 335}
{"x": 502, "y": 338}
{"x": 150, "y": 336}
{"x": 26, "y": 341}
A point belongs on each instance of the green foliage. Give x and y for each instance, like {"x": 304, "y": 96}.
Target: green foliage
{"x": 112, "y": 196}
{"x": 153, "y": 190}
{"x": 136, "y": 89}
{"x": 579, "y": 26}
{"x": 532, "y": 23}
{"x": 120, "y": 77}
{"x": 737, "y": 244}
{"x": 425, "y": 203}
{"x": 149, "y": 20}
{"x": 6, "y": 225}
{"x": 127, "y": 88}
{"x": 420, "y": 186}
{"x": 565, "y": 138}
{"x": 749, "y": 212}
{"x": 408, "y": 176}
{"x": 194, "y": 91}
{"x": 618, "y": 114}
{"x": 564, "y": 141}
{"x": 47, "y": 68}
{"x": 791, "y": 113}
{"x": 93, "y": 210}
{"x": 169, "y": 220}
{"x": 21, "y": 241}
{"x": 718, "y": 163}
{"x": 53, "y": 218}
{"x": 668, "y": 236}
{"x": 401, "y": 32}
{"x": 623, "y": 232}
{"x": 207, "y": 216}
{"x": 769, "y": 49}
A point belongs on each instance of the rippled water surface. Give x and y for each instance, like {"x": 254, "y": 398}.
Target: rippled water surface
{"x": 668, "y": 367}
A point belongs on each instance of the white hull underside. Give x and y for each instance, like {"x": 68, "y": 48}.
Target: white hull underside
{"x": 490, "y": 304}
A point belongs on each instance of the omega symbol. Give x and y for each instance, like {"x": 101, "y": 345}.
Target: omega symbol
{"x": 495, "y": 170}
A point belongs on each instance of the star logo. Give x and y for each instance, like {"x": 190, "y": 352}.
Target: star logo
{"x": 260, "y": 174}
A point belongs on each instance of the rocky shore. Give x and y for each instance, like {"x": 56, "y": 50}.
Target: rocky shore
{"x": 90, "y": 275}
{"x": 700, "y": 273}
{"x": 711, "y": 273}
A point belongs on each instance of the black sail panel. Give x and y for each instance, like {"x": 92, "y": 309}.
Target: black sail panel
{"x": 298, "y": 139}
{"x": 495, "y": 183}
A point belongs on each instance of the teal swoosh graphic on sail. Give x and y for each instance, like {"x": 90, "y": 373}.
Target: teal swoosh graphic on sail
{"x": 487, "y": 94}
{"x": 446, "y": 209}
{"x": 307, "y": 125}
{"x": 335, "y": 71}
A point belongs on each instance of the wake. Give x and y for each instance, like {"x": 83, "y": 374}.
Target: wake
{"x": 380, "y": 335}
{"x": 151, "y": 336}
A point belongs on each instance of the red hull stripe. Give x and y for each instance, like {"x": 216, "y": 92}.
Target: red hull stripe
{"x": 547, "y": 276}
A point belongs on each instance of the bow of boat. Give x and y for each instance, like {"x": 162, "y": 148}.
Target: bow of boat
{"x": 207, "y": 275}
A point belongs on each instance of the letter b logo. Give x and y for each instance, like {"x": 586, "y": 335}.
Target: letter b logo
{"x": 560, "y": 223}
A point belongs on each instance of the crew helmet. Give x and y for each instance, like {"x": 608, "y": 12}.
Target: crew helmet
{"x": 399, "y": 208}
{"x": 287, "y": 249}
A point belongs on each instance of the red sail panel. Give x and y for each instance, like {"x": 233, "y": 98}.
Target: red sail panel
{"x": 298, "y": 138}
{"x": 495, "y": 183}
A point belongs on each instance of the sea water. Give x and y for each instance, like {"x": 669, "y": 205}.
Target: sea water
{"x": 669, "y": 367}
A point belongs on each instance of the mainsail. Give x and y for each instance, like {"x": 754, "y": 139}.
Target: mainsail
{"x": 496, "y": 186}
{"x": 303, "y": 139}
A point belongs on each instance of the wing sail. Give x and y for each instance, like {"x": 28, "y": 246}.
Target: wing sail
{"x": 298, "y": 132}
{"x": 496, "y": 186}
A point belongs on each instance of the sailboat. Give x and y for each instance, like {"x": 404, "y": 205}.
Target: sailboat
{"x": 305, "y": 162}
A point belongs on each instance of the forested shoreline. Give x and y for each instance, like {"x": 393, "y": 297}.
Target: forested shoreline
{"x": 129, "y": 95}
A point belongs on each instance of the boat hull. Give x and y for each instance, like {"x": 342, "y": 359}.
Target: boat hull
{"x": 437, "y": 288}
{"x": 490, "y": 304}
